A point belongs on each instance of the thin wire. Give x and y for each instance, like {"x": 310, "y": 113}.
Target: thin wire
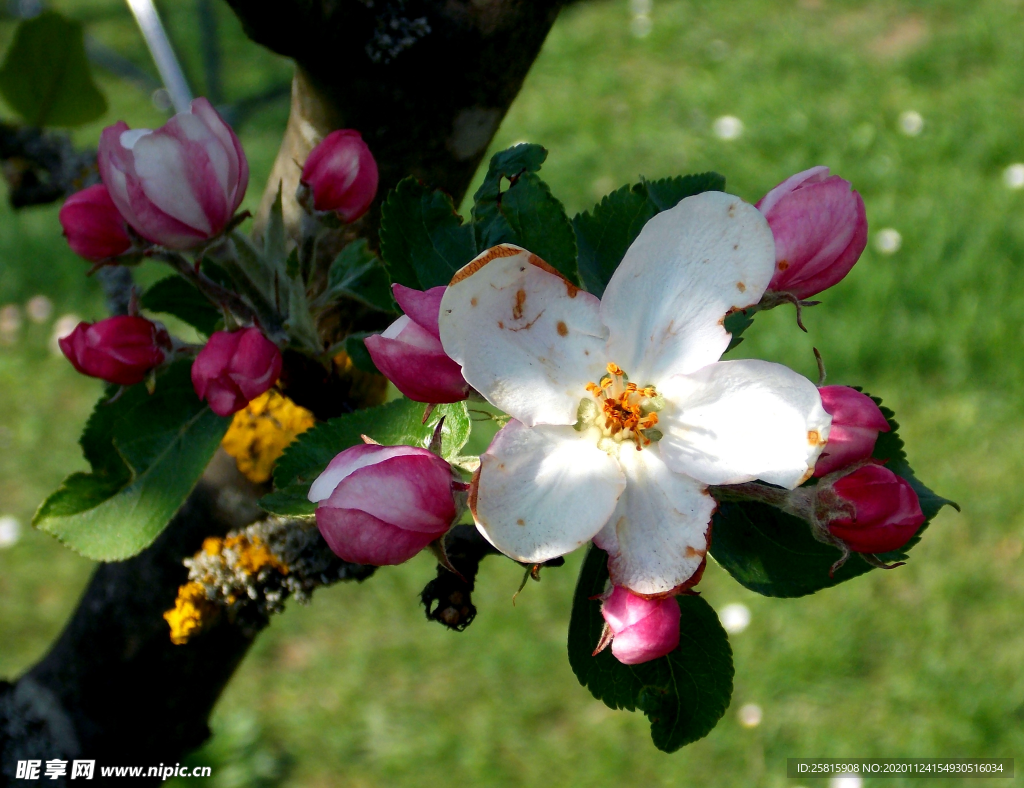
{"x": 163, "y": 53}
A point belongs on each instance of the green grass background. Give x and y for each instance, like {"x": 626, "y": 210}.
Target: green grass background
{"x": 359, "y": 690}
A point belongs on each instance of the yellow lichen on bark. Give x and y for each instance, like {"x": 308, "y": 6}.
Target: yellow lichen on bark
{"x": 192, "y": 612}
{"x": 251, "y": 555}
{"x": 261, "y": 432}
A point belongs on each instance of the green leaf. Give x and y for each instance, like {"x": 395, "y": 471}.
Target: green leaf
{"x": 359, "y": 274}
{"x": 489, "y": 227}
{"x": 683, "y": 694}
{"x": 422, "y": 237}
{"x": 738, "y": 322}
{"x": 399, "y": 421}
{"x": 147, "y": 452}
{"x": 538, "y": 222}
{"x": 46, "y": 77}
{"x": 299, "y": 324}
{"x": 355, "y": 346}
{"x": 774, "y": 554}
{"x": 605, "y": 233}
{"x": 275, "y": 235}
{"x": 289, "y": 502}
{"x": 292, "y": 265}
{"x": 526, "y": 213}
{"x": 669, "y": 192}
{"x": 175, "y": 296}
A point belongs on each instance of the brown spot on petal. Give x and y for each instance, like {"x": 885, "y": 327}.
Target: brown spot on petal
{"x": 814, "y": 438}
{"x": 806, "y": 476}
{"x": 472, "y": 301}
{"x": 495, "y": 252}
{"x": 741, "y": 287}
{"x": 517, "y": 309}
{"x": 501, "y": 324}
{"x": 732, "y": 209}
{"x": 520, "y": 521}
{"x": 563, "y": 329}
{"x": 782, "y": 265}
{"x": 474, "y": 488}
{"x": 570, "y": 288}
{"x": 693, "y": 553}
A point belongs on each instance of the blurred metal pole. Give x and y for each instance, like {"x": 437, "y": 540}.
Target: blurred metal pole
{"x": 163, "y": 53}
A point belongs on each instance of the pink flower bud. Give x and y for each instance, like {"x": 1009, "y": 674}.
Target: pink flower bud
{"x": 820, "y": 230}
{"x": 342, "y": 173}
{"x": 381, "y": 505}
{"x": 409, "y": 352}
{"x": 119, "y": 349}
{"x": 234, "y": 368}
{"x": 856, "y": 422}
{"x": 887, "y": 511}
{"x": 93, "y": 226}
{"x": 179, "y": 185}
{"x": 642, "y": 629}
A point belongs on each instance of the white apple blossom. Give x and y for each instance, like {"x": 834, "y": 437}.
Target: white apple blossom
{"x": 590, "y": 454}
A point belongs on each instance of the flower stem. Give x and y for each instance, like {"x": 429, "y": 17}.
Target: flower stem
{"x": 218, "y": 294}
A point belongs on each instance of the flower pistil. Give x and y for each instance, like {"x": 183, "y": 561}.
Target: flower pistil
{"x": 625, "y": 411}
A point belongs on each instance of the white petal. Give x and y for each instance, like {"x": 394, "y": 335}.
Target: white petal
{"x": 526, "y": 338}
{"x": 130, "y": 137}
{"x": 160, "y": 164}
{"x": 735, "y": 421}
{"x": 216, "y": 144}
{"x": 686, "y": 270}
{"x": 658, "y": 535}
{"x": 544, "y": 491}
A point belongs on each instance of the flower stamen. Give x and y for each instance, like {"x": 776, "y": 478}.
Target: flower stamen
{"x": 626, "y": 410}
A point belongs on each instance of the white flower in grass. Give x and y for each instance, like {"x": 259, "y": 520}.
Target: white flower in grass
{"x": 590, "y": 454}
{"x": 735, "y": 618}
{"x": 750, "y": 715}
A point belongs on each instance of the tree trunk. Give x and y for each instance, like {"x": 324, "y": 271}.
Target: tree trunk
{"x": 426, "y": 82}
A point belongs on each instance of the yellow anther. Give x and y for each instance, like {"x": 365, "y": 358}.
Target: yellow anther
{"x": 622, "y": 407}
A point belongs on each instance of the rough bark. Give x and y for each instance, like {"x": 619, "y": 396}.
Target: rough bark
{"x": 427, "y": 82}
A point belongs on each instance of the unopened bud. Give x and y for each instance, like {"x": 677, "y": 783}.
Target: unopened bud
{"x": 179, "y": 185}
{"x": 121, "y": 349}
{"x": 641, "y": 629}
{"x": 409, "y": 352}
{"x": 234, "y": 368}
{"x": 93, "y": 226}
{"x": 856, "y": 422}
{"x": 381, "y": 505}
{"x": 820, "y": 229}
{"x": 342, "y": 175}
{"x": 880, "y": 510}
